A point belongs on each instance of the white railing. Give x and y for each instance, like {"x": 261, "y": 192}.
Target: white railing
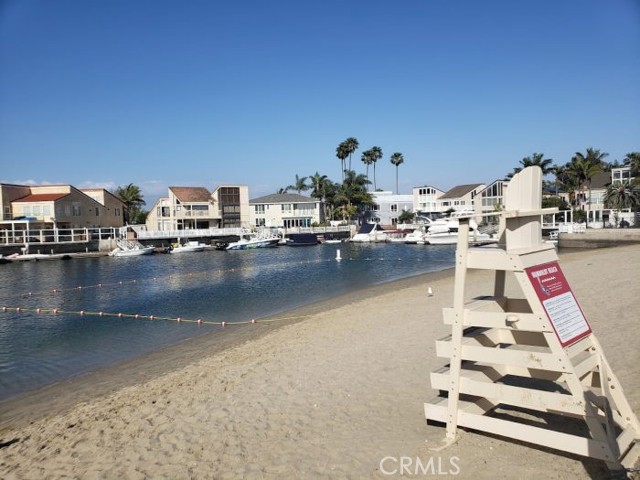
{"x": 55, "y": 235}
{"x": 192, "y": 233}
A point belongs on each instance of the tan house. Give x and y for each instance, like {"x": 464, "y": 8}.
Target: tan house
{"x": 461, "y": 197}
{"x": 61, "y": 206}
{"x": 195, "y": 208}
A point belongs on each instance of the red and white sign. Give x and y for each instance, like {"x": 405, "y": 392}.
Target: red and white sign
{"x": 558, "y": 301}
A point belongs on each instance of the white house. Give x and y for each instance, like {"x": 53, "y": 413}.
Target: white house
{"x": 285, "y": 210}
{"x": 388, "y": 207}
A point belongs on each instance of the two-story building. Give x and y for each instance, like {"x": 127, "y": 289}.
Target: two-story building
{"x": 60, "y": 206}
{"x": 285, "y": 210}
{"x": 425, "y": 199}
{"x": 461, "y": 197}
{"x": 191, "y": 208}
{"x": 387, "y": 207}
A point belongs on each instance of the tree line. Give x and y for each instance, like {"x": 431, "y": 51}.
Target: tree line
{"x": 351, "y": 197}
{"x": 577, "y": 174}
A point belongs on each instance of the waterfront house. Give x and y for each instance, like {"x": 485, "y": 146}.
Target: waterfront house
{"x": 461, "y": 197}
{"x": 387, "y": 207}
{"x": 285, "y": 210}
{"x": 489, "y": 200}
{"x": 425, "y": 199}
{"x": 60, "y": 206}
{"x": 191, "y": 208}
{"x": 590, "y": 198}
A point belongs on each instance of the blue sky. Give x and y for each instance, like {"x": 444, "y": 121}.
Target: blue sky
{"x": 199, "y": 93}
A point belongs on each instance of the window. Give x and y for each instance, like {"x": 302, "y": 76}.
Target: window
{"x": 259, "y": 209}
{"x": 76, "y": 210}
{"x": 46, "y": 210}
{"x": 36, "y": 210}
{"x": 260, "y": 222}
{"x": 375, "y": 207}
{"x": 394, "y": 207}
{"x": 116, "y": 211}
{"x": 26, "y": 210}
{"x": 97, "y": 212}
{"x": 286, "y": 208}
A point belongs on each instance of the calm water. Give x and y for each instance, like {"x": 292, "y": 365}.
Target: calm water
{"x": 38, "y": 349}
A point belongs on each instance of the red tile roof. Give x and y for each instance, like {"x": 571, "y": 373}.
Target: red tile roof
{"x": 191, "y": 194}
{"x": 41, "y": 197}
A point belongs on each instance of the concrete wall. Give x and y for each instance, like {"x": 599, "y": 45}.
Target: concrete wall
{"x": 606, "y": 237}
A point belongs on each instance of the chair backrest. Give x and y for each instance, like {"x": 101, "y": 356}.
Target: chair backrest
{"x": 523, "y": 194}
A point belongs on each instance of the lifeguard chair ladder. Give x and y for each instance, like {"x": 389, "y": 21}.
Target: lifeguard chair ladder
{"x": 536, "y": 354}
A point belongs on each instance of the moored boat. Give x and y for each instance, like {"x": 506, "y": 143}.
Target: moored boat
{"x": 190, "y": 246}
{"x": 302, "y": 239}
{"x": 260, "y": 240}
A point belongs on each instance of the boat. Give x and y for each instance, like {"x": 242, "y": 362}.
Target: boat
{"x": 132, "y": 252}
{"x": 251, "y": 241}
{"x": 444, "y": 231}
{"x": 302, "y": 239}
{"x": 397, "y": 236}
{"x": 416, "y": 237}
{"x": 190, "y": 246}
{"x": 370, "y": 232}
{"x": 130, "y": 248}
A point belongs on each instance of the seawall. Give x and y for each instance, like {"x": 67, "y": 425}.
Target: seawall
{"x": 596, "y": 238}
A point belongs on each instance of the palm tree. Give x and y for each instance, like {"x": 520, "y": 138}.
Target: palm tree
{"x": 537, "y": 159}
{"x": 352, "y": 195}
{"x": 397, "y": 159}
{"x": 300, "y": 184}
{"x": 367, "y": 160}
{"x": 132, "y": 197}
{"x": 621, "y": 195}
{"x": 633, "y": 160}
{"x": 351, "y": 145}
{"x": 584, "y": 167}
{"x": 376, "y": 154}
{"x": 342, "y": 153}
{"x": 282, "y": 191}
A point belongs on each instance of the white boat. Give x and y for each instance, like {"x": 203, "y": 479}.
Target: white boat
{"x": 259, "y": 240}
{"x": 397, "y": 236}
{"x": 370, "y": 232}
{"x": 130, "y": 248}
{"x": 415, "y": 237}
{"x": 187, "y": 247}
{"x": 444, "y": 231}
{"x": 132, "y": 252}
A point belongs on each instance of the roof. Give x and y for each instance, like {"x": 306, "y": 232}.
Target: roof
{"x": 600, "y": 180}
{"x": 191, "y": 194}
{"x": 41, "y": 197}
{"x": 283, "y": 198}
{"x": 460, "y": 191}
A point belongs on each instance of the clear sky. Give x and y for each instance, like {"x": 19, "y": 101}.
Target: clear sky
{"x": 200, "y": 93}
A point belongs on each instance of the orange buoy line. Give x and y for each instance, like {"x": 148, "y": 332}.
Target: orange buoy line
{"x": 144, "y": 280}
{"x": 137, "y": 316}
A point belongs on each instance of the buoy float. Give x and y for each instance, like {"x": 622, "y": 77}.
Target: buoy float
{"x": 137, "y": 316}
{"x": 253, "y": 320}
{"x": 81, "y": 312}
{"x": 338, "y": 257}
{"x": 150, "y": 317}
{"x": 223, "y": 324}
{"x": 120, "y": 315}
{"x": 199, "y": 321}
{"x": 430, "y": 292}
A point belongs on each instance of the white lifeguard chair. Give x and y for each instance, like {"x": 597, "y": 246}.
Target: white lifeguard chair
{"x": 535, "y": 354}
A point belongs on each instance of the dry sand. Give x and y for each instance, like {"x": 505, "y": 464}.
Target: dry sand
{"x": 328, "y": 397}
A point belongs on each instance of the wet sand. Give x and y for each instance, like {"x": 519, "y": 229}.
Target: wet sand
{"x": 329, "y": 396}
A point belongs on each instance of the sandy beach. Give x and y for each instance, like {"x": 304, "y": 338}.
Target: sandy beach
{"x": 330, "y": 396}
